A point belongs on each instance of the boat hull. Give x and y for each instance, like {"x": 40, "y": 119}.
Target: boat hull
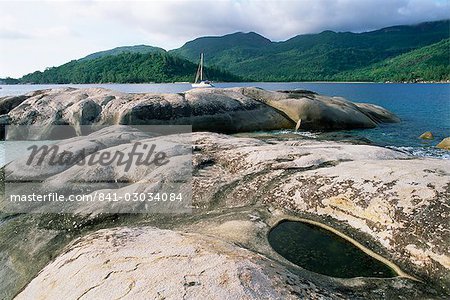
{"x": 202, "y": 85}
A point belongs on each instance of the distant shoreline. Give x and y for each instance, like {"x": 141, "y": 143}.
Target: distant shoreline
{"x": 219, "y": 82}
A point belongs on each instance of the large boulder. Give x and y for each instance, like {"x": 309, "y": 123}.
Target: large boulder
{"x": 218, "y": 110}
{"x": 149, "y": 263}
{"x": 311, "y": 111}
{"x": 444, "y": 144}
{"x": 9, "y": 103}
{"x": 428, "y": 135}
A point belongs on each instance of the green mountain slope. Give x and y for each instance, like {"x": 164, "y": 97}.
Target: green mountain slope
{"x": 9, "y": 80}
{"x": 431, "y": 63}
{"x": 126, "y": 68}
{"x": 312, "y": 56}
{"x": 221, "y": 50}
{"x": 143, "y": 49}
{"x": 343, "y": 56}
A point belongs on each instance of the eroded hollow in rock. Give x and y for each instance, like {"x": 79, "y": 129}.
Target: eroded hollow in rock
{"x": 319, "y": 250}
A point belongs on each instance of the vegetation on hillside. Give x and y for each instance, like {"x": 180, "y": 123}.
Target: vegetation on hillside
{"x": 429, "y": 63}
{"x": 312, "y": 56}
{"x": 142, "y": 49}
{"x": 126, "y": 68}
{"x": 399, "y": 53}
{"x": 9, "y": 80}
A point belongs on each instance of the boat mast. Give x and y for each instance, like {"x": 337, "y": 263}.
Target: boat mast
{"x": 201, "y": 66}
{"x": 199, "y": 71}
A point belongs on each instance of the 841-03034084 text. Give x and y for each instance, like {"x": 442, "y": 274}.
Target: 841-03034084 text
{"x": 99, "y": 196}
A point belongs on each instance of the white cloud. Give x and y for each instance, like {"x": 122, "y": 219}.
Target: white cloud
{"x": 58, "y": 31}
{"x": 181, "y": 20}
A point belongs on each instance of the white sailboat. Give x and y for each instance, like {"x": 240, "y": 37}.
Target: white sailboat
{"x": 199, "y": 81}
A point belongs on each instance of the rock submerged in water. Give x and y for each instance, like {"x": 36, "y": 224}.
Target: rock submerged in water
{"x": 444, "y": 144}
{"x": 228, "y": 110}
{"x": 241, "y": 187}
{"x": 426, "y": 136}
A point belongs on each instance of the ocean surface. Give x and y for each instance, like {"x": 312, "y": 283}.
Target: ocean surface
{"x": 421, "y": 107}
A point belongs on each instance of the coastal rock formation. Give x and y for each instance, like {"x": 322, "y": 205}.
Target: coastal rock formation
{"x": 218, "y": 110}
{"x": 146, "y": 262}
{"x": 426, "y": 136}
{"x": 9, "y": 103}
{"x": 377, "y": 191}
{"x": 444, "y": 144}
{"x": 149, "y": 263}
{"x": 391, "y": 203}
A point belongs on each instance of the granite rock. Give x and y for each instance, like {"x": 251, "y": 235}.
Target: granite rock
{"x": 228, "y": 110}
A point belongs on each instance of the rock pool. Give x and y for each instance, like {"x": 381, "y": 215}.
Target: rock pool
{"x": 321, "y": 251}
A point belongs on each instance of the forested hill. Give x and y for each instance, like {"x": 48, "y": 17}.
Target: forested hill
{"x": 126, "y": 68}
{"x": 429, "y": 63}
{"x": 143, "y": 49}
{"x": 311, "y": 56}
{"x": 397, "y": 53}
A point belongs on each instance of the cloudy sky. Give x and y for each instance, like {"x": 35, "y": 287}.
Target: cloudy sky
{"x": 39, "y": 34}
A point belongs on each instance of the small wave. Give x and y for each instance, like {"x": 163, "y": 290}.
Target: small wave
{"x": 423, "y": 151}
{"x": 307, "y": 134}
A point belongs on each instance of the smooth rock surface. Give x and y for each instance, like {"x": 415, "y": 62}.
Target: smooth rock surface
{"x": 426, "y": 136}
{"x": 391, "y": 203}
{"x": 149, "y": 263}
{"x": 218, "y": 110}
{"x": 444, "y": 144}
